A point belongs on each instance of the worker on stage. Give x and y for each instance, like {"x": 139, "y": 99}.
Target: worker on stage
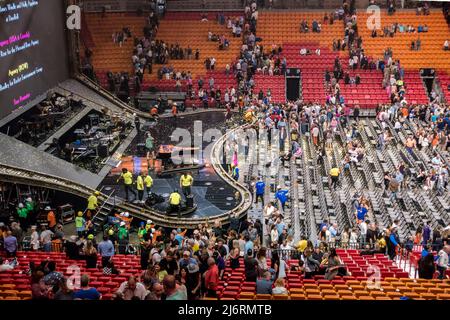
{"x": 149, "y": 145}
{"x": 127, "y": 178}
{"x": 140, "y": 187}
{"x": 186, "y": 182}
{"x": 175, "y": 202}
{"x": 148, "y": 181}
{"x": 92, "y": 204}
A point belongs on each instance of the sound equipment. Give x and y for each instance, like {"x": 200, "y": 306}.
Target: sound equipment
{"x": 141, "y": 150}
{"x": 103, "y": 151}
{"x": 190, "y": 201}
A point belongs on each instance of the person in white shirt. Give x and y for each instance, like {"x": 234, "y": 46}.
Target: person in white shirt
{"x": 34, "y": 239}
{"x": 7, "y": 265}
{"x": 363, "y": 229}
{"x": 442, "y": 262}
{"x": 353, "y": 239}
{"x": 274, "y": 234}
{"x": 279, "y": 287}
{"x": 333, "y": 232}
{"x": 269, "y": 210}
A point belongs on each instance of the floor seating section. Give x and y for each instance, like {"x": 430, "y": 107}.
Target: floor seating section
{"x": 14, "y": 285}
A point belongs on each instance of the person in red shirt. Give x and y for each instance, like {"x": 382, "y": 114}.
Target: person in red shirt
{"x": 212, "y": 278}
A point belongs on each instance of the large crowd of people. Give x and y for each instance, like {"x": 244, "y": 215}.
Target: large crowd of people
{"x": 181, "y": 264}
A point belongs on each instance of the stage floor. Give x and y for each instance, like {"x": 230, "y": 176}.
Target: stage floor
{"x": 212, "y": 195}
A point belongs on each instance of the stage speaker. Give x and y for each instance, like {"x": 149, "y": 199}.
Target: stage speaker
{"x": 190, "y": 201}
{"x": 152, "y": 89}
{"x": 103, "y": 151}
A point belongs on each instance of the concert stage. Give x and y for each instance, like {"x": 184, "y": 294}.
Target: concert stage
{"x": 212, "y": 195}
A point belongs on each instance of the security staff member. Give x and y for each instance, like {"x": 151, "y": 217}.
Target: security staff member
{"x": 186, "y": 182}
{"x": 140, "y": 187}
{"x": 93, "y": 203}
{"x": 334, "y": 174}
{"x": 127, "y": 182}
{"x": 148, "y": 183}
{"x": 175, "y": 202}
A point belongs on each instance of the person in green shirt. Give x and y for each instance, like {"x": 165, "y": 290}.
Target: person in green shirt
{"x": 148, "y": 183}
{"x": 140, "y": 187}
{"x": 142, "y": 231}
{"x": 80, "y": 224}
{"x": 149, "y": 145}
{"x": 93, "y": 202}
{"x": 175, "y": 202}
{"x": 22, "y": 212}
{"x": 186, "y": 182}
{"x": 127, "y": 178}
{"x": 30, "y": 205}
{"x": 122, "y": 236}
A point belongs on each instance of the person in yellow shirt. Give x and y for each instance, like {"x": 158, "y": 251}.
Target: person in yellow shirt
{"x": 148, "y": 181}
{"x": 127, "y": 178}
{"x": 140, "y": 187}
{"x": 334, "y": 174}
{"x": 302, "y": 244}
{"x": 92, "y": 204}
{"x": 175, "y": 202}
{"x": 186, "y": 182}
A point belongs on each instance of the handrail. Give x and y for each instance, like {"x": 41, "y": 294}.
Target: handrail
{"x": 103, "y": 205}
{"x": 245, "y": 195}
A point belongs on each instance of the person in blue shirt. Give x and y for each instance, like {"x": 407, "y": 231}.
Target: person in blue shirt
{"x": 426, "y": 233}
{"x": 425, "y": 251}
{"x": 264, "y": 285}
{"x": 260, "y": 188}
{"x": 279, "y": 224}
{"x": 282, "y": 196}
{"x": 323, "y": 224}
{"x": 361, "y": 212}
{"x": 106, "y": 250}
{"x": 248, "y": 247}
{"x": 392, "y": 245}
{"x": 86, "y": 292}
